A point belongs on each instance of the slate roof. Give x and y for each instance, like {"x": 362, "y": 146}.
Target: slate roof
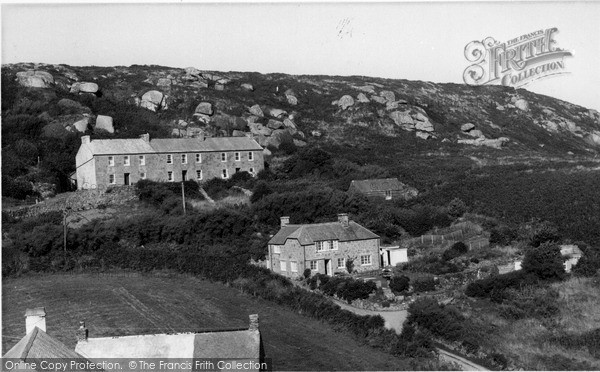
{"x": 166, "y": 145}
{"x": 310, "y": 233}
{"x": 381, "y": 184}
{"x": 236, "y": 344}
{"x": 120, "y": 146}
{"x": 38, "y": 344}
{"x": 171, "y": 145}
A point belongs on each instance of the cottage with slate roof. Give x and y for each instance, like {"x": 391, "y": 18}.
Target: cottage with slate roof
{"x": 388, "y": 188}
{"x": 323, "y": 248}
{"x": 102, "y": 163}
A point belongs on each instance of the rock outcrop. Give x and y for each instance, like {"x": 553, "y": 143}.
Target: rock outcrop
{"x": 153, "y": 100}
{"x": 256, "y": 110}
{"x": 105, "y": 122}
{"x": 204, "y": 108}
{"x": 35, "y": 79}
{"x": 345, "y": 102}
{"x": 84, "y": 87}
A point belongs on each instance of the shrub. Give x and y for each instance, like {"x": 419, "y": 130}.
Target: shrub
{"x": 399, "y": 284}
{"x": 545, "y": 261}
{"x": 443, "y": 321}
{"x": 307, "y": 273}
{"x": 497, "y": 284}
{"x": 424, "y": 284}
{"x": 260, "y": 190}
{"x": 503, "y": 235}
{"x": 589, "y": 264}
{"x": 456, "y": 208}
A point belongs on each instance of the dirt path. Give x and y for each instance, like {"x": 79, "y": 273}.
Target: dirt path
{"x": 395, "y": 319}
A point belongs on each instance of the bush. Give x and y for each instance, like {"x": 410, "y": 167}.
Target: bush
{"x": 443, "y": 321}
{"x": 260, "y": 190}
{"x": 424, "y": 284}
{"x": 399, "y": 284}
{"x": 456, "y": 208}
{"x": 307, "y": 273}
{"x": 497, "y": 284}
{"x": 503, "y": 235}
{"x": 589, "y": 264}
{"x": 545, "y": 261}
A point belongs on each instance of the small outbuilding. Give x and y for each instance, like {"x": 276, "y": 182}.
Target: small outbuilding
{"x": 388, "y": 188}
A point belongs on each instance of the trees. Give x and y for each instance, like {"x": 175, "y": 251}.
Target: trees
{"x": 545, "y": 261}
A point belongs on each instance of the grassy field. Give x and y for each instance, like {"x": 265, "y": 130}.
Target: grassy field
{"x": 529, "y": 342}
{"x": 127, "y": 304}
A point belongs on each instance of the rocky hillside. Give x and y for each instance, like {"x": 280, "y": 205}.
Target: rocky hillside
{"x": 46, "y": 108}
{"x": 277, "y": 108}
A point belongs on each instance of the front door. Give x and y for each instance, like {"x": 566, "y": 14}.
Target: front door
{"x": 183, "y": 175}
{"x": 328, "y": 267}
{"x": 126, "y": 179}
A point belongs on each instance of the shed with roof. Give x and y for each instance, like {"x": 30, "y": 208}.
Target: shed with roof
{"x": 387, "y": 188}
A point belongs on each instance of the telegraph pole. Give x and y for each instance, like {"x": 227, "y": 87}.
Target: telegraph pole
{"x": 183, "y": 196}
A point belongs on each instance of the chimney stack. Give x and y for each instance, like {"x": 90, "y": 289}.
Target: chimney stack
{"x": 285, "y": 221}
{"x": 82, "y": 332}
{"x": 35, "y": 318}
{"x": 145, "y": 137}
{"x": 253, "y": 322}
{"x": 85, "y": 140}
{"x": 343, "y": 219}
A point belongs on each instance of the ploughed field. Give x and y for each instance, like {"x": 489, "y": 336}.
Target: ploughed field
{"x": 131, "y": 303}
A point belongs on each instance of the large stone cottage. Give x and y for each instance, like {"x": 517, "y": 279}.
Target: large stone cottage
{"x": 102, "y": 163}
{"x": 323, "y": 247}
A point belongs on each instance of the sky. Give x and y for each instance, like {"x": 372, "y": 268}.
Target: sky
{"x": 410, "y": 40}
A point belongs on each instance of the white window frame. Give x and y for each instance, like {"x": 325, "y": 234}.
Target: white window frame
{"x": 170, "y": 176}
{"x": 199, "y": 174}
{"x": 320, "y": 246}
{"x": 333, "y": 245}
{"x": 183, "y": 158}
{"x": 276, "y": 249}
{"x": 112, "y": 179}
{"x": 314, "y": 265}
{"x": 142, "y": 159}
{"x": 294, "y": 266}
{"x": 365, "y": 260}
{"x": 225, "y": 174}
{"x": 283, "y": 266}
{"x": 343, "y": 263}
{"x": 143, "y": 175}
{"x": 111, "y": 161}
{"x": 223, "y": 157}
{"x": 198, "y": 158}
{"x": 237, "y": 156}
{"x": 169, "y": 159}
{"x": 126, "y": 160}
{"x": 251, "y": 155}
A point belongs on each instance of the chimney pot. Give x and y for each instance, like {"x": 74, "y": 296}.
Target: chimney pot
{"x": 254, "y": 322}
{"x": 35, "y": 318}
{"x": 85, "y": 140}
{"x": 82, "y": 332}
{"x": 285, "y": 221}
{"x": 343, "y": 219}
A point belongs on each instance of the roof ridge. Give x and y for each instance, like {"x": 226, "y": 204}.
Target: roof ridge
{"x": 32, "y": 336}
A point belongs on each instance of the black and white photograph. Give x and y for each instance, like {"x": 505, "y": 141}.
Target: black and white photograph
{"x": 300, "y": 186}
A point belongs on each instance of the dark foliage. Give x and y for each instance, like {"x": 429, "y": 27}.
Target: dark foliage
{"x": 442, "y": 321}
{"x": 260, "y": 190}
{"x": 399, "y": 284}
{"x": 424, "y": 284}
{"x": 544, "y": 261}
{"x": 589, "y": 264}
{"x": 309, "y": 161}
{"x": 497, "y": 284}
{"x": 348, "y": 289}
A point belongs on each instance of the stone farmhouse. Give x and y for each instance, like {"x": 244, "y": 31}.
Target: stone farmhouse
{"x": 323, "y": 248}
{"x": 102, "y": 163}
{"x": 388, "y": 188}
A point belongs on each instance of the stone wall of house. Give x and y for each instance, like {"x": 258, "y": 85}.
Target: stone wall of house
{"x": 156, "y": 167}
{"x": 292, "y": 251}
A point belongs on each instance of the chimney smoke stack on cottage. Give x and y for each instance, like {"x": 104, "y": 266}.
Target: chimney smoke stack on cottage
{"x": 85, "y": 140}
{"x": 285, "y": 221}
{"x": 35, "y": 318}
{"x": 145, "y": 137}
{"x": 82, "y": 332}
{"x": 253, "y": 322}
{"x": 343, "y": 219}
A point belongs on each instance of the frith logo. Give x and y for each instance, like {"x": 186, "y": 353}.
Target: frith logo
{"x": 516, "y": 62}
